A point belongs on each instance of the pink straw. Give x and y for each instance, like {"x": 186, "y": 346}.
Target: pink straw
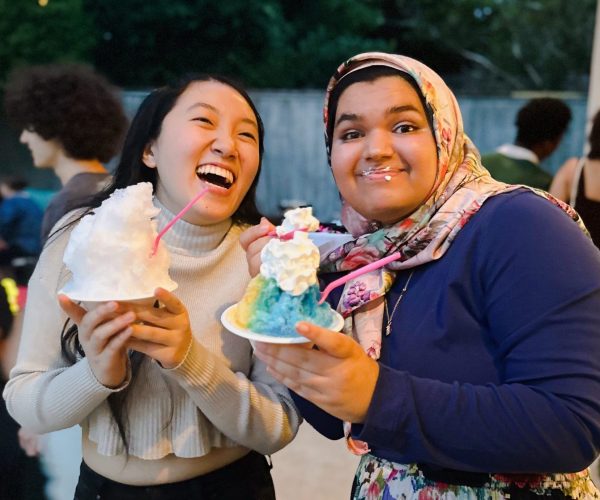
{"x": 175, "y": 219}
{"x": 287, "y": 236}
{"x": 359, "y": 272}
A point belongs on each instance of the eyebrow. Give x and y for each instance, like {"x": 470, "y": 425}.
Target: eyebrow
{"x": 390, "y": 111}
{"x": 215, "y": 110}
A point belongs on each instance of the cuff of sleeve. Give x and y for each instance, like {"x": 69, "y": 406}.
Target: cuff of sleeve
{"x": 384, "y": 424}
{"x": 93, "y": 380}
{"x": 182, "y": 362}
{"x": 327, "y": 425}
{"x": 192, "y": 367}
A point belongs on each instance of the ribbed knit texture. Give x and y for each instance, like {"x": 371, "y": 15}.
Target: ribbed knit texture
{"x": 220, "y": 395}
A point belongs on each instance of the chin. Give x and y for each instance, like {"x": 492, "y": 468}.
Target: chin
{"x": 385, "y": 217}
{"x": 207, "y": 219}
{"x": 207, "y": 211}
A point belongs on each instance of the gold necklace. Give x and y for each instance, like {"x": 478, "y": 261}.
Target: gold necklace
{"x": 388, "y": 326}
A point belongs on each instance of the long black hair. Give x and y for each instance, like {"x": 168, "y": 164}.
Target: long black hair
{"x": 145, "y": 128}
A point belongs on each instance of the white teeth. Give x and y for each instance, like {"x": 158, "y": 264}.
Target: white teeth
{"x": 215, "y": 170}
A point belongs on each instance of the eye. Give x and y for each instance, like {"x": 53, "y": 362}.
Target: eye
{"x": 403, "y": 128}
{"x": 349, "y": 135}
{"x": 249, "y": 135}
{"x": 202, "y": 119}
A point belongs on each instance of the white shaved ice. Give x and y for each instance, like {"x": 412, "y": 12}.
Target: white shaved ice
{"x": 293, "y": 263}
{"x": 298, "y": 219}
{"x": 109, "y": 250}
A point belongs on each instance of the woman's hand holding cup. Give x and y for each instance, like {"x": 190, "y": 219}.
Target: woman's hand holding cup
{"x": 253, "y": 240}
{"x": 162, "y": 333}
{"x": 103, "y": 334}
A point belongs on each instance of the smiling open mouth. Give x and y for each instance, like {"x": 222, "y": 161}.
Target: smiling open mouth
{"x": 216, "y": 175}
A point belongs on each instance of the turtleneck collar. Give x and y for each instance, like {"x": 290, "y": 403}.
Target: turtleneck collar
{"x": 190, "y": 239}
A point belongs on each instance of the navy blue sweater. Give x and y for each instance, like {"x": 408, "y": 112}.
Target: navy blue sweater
{"x": 493, "y": 363}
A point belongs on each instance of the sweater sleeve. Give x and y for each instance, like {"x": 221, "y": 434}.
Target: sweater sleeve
{"x": 325, "y": 424}
{"x": 538, "y": 283}
{"x": 255, "y": 411}
{"x": 44, "y": 393}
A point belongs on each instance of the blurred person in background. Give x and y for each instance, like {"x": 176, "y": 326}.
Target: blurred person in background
{"x": 578, "y": 183}
{"x": 72, "y": 121}
{"x": 20, "y": 222}
{"x": 20, "y": 474}
{"x": 541, "y": 124}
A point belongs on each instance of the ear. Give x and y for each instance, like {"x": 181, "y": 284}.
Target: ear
{"x": 148, "y": 157}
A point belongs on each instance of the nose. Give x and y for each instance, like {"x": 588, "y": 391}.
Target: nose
{"x": 24, "y": 136}
{"x": 378, "y": 145}
{"x": 224, "y": 144}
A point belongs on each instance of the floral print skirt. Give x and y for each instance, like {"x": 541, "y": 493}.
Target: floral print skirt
{"x": 377, "y": 478}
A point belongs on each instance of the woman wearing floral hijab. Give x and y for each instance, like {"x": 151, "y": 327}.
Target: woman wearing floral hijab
{"x": 476, "y": 368}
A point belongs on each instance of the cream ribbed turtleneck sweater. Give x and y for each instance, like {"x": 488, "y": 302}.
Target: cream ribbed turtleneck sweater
{"x": 219, "y": 396}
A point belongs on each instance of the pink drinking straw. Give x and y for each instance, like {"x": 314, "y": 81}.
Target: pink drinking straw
{"x": 359, "y": 272}
{"x": 287, "y": 236}
{"x": 175, "y": 219}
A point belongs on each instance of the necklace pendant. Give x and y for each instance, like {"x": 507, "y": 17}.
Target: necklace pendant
{"x": 390, "y": 316}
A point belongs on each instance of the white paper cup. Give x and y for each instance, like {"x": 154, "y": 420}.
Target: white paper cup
{"x": 90, "y": 305}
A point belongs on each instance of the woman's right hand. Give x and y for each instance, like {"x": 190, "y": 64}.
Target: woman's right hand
{"x": 338, "y": 376}
{"x": 103, "y": 333}
{"x": 30, "y": 442}
{"x": 253, "y": 240}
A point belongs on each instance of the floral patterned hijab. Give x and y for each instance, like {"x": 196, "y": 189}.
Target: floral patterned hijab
{"x": 462, "y": 185}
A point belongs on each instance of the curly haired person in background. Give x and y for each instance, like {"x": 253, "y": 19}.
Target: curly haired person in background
{"x": 72, "y": 121}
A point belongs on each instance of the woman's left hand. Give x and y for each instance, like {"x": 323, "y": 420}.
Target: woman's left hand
{"x": 163, "y": 334}
{"x": 338, "y": 377}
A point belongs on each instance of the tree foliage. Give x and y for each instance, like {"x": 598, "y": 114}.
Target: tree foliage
{"x": 268, "y": 43}
{"x": 479, "y": 45}
{"x": 60, "y": 31}
{"x": 498, "y": 44}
